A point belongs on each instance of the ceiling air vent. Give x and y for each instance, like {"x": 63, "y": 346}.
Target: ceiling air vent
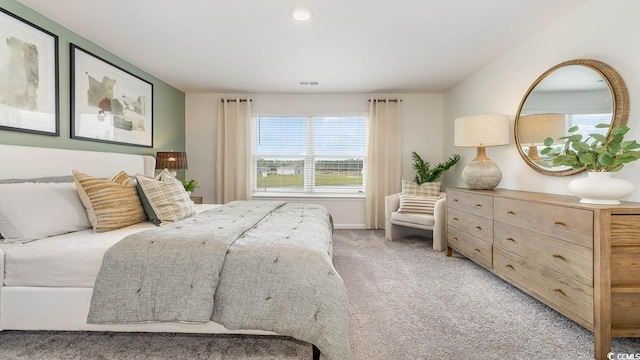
{"x": 309, "y": 83}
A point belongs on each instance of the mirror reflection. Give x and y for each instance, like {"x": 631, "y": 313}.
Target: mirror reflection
{"x": 569, "y": 94}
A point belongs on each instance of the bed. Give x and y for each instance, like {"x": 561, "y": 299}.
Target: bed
{"x": 48, "y": 284}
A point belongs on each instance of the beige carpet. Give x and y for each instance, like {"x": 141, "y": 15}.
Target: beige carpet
{"x": 406, "y": 302}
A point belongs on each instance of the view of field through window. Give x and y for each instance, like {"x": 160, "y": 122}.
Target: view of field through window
{"x": 309, "y": 154}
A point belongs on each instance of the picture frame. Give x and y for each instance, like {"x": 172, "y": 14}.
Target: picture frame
{"x": 29, "y": 77}
{"x": 109, "y": 104}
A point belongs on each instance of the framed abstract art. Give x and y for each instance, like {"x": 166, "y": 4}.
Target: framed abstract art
{"x": 28, "y": 77}
{"x": 108, "y": 103}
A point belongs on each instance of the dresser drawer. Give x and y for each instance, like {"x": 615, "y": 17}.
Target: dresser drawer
{"x": 625, "y": 266}
{"x": 624, "y": 230}
{"x": 473, "y": 248}
{"x": 570, "y": 224}
{"x": 572, "y": 260}
{"x": 478, "y": 204}
{"x": 477, "y": 226}
{"x": 569, "y": 297}
{"x": 624, "y": 309}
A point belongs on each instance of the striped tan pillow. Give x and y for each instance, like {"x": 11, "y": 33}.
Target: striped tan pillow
{"x": 417, "y": 204}
{"x": 110, "y": 203}
{"x": 410, "y": 188}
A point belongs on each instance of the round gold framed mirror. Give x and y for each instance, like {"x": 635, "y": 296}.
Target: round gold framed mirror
{"x": 577, "y": 92}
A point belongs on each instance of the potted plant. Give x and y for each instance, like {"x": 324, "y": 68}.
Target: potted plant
{"x": 190, "y": 185}
{"x": 426, "y": 173}
{"x": 600, "y": 156}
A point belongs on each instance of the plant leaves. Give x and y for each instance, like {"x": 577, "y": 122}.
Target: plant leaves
{"x": 587, "y": 159}
{"x": 548, "y": 141}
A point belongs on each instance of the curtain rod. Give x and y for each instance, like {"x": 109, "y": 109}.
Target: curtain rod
{"x": 386, "y": 100}
{"x": 234, "y": 100}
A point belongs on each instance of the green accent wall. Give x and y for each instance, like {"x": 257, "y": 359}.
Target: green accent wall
{"x": 168, "y": 102}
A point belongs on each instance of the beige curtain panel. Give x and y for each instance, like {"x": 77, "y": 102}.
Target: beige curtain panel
{"x": 383, "y": 158}
{"x": 233, "y": 175}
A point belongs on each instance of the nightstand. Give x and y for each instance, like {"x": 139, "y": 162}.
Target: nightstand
{"x": 196, "y": 199}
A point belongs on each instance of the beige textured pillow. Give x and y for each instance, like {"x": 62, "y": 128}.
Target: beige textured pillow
{"x": 417, "y": 204}
{"x": 429, "y": 189}
{"x": 110, "y": 203}
{"x": 164, "y": 198}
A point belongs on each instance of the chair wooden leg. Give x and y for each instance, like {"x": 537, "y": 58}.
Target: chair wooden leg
{"x": 316, "y": 352}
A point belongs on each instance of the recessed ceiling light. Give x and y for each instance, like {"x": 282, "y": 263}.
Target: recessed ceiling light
{"x": 301, "y": 13}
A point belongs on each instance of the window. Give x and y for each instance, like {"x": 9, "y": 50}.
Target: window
{"x": 311, "y": 155}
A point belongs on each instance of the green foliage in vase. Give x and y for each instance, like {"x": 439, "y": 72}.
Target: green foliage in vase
{"x": 190, "y": 185}
{"x": 426, "y": 173}
{"x": 595, "y": 153}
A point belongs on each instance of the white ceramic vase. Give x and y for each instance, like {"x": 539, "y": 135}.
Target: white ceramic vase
{"x": 600, "y": 188}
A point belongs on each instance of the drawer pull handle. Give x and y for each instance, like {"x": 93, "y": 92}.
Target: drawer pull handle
{"x": 511, "y": 239}
{"x": 558, "y": 222}
{"x": 455, "y": 238}
{"x": 559, "y": 291}
{"x": 479, "y": 227}
{"x": 455, "y": 200}
{"x": 510, "y": 266}
{"x": 510, "y": 212}
{"x": 478, "y": 250}
{"x": 456, "y": 219}
{"x": 558, "y": 256}
{"x": 478, "y": 205}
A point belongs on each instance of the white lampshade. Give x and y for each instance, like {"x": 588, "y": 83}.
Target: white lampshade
{"x": 534, "y": 128}
{"x": 481, "y": 130}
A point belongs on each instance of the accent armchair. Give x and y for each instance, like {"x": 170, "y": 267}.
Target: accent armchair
{"x": 399, "y": 225}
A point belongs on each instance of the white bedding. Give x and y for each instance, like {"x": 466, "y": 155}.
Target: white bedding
{"x": 68, "y": 260}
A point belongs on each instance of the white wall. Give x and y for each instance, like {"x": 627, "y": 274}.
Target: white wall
{"x": 605, "y": 30}
{"x": 421, "y": 132}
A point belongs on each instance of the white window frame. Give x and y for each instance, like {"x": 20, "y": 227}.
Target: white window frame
{"x": 309, "y": 159}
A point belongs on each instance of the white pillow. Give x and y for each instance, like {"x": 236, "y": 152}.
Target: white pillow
{"x": 31, "y": 211}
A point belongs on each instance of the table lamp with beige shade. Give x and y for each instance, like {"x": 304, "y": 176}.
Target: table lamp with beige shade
{"x": 481, "y": 131}
{"x": 533, "y": 129}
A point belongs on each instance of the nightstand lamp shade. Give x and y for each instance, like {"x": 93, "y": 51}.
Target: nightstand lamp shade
{"x": 171, "y": 160}
{"x": 535, "y": 128}
{"x": 481, "y": 131}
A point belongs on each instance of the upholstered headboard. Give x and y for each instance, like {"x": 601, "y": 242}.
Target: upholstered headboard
{"x": 21, "y": 162}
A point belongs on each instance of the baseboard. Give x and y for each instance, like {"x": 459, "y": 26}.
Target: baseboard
{"x": 349, "y": 226}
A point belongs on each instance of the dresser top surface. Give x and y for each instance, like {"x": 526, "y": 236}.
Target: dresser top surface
{"x": 564, "y": 200}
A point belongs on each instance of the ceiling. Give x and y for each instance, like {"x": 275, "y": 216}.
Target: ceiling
{"x": 349, "y": 46}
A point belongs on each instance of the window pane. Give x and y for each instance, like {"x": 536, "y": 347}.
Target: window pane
{"x": 339, "y": 135}
{"x": 280, "y": 175}
{"x": 309, "y": 154}
{"x": 587, "y": 123}
{"x": 339, "y": 175}
{"x": 281, "y": 135}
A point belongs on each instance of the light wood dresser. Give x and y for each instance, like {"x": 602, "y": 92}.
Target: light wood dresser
{"x": 581, "y": 260}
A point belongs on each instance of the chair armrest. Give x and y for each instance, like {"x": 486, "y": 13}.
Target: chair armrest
{"x": 1, "y": 269}
{"x": 440, "y": 224}
{"x": 391, "y": 204}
